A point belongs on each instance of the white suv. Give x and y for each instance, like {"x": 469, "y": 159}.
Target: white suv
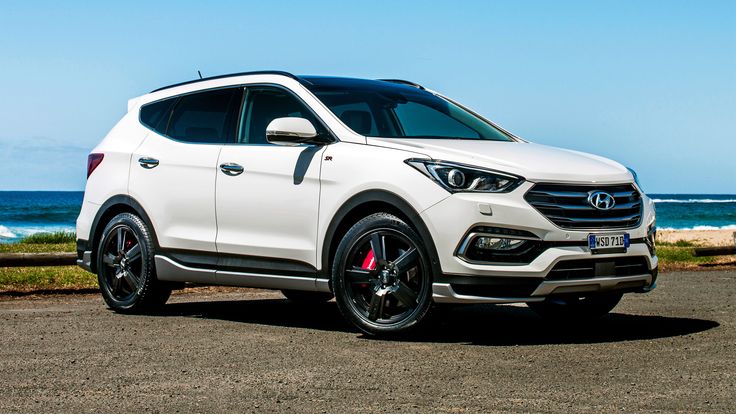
{"x": 382, "y": 193}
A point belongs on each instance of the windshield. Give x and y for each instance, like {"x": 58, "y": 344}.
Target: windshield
{"x": 390, "y": 110}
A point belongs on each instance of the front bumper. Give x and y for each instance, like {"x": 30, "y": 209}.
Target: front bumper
{"x": 445, "y": 293}
{"x": 450, "y": 220}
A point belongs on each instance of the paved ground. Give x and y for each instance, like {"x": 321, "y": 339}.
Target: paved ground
{"x": 671, "y": 350}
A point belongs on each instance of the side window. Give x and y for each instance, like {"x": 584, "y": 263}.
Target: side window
{"x": 419, "y": 120}
{"x": 156, "y": 115}
{"x": 264, "y": 104}
{"x": 205, "y": 117}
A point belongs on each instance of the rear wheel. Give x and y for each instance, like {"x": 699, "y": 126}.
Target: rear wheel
{"x": 125, "y": 266}
{"x": 381, "y": 276}
{"x": 300, "y": 296}
{"x": 573, "y": 307}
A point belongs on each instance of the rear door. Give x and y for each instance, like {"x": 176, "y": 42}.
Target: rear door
{"x": 267, "y": 210}
{"x": 173, "y": 171}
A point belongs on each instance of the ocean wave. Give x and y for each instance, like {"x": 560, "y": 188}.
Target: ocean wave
{"x": 14, "y": 233}
{"x": 5, "y": 233}
{"x": 693, "y": 200}
{"x": 726, "y": 227}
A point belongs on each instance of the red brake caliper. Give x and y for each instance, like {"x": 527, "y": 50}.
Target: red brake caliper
{"x": 369, "y": 263}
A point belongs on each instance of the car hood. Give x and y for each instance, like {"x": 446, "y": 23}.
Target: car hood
{"x": 534, "y": 162}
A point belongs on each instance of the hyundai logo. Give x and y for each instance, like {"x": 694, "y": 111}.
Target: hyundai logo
{"x": 601, "y": 200}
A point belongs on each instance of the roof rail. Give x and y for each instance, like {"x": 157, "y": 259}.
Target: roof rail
{"x": 403, "y": 82}
{"x": 259, "y": 72}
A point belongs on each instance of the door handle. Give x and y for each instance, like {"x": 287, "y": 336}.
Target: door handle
{"x": 231, "y": 169}
{"x": 147, "y": 162}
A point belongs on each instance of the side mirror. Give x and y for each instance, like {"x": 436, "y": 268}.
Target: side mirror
{"x": 290, "y": 131}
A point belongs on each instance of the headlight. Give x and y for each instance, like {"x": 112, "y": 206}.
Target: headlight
{"x": 466, "y": 178}
{"x": 636, "y": 177}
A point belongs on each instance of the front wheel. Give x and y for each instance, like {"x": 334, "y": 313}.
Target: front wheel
{"x": 381, "y": 276}
{"x": 125, "y": 266}
{"x": 575, "y": 307}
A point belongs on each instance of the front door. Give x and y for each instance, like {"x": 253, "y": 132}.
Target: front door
{"x": 267, "y": 196}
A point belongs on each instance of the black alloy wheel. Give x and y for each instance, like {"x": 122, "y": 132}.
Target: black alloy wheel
{"x": 125, "y": 266}
{"x": 382, "y": 276}
{"x": 122, "y": 260}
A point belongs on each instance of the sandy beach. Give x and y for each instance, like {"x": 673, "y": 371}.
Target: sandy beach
{"x": 699, "y": 237}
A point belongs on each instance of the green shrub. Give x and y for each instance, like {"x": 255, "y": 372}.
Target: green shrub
{"x": 50, "y": 238}
{"x": 677, "y": 255}
{"x": 678, "y": 243}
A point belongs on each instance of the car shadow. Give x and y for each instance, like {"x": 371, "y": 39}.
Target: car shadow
{"x": 303, "y": 162}
{"x": 515, "y": 325}
{"x": 488, "y": 325}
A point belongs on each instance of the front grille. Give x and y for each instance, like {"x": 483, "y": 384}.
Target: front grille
{"x": 588, "y": 268}
{"x": 567, "y": 205}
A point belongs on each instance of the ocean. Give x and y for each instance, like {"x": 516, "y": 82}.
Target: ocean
{"x": 695, "y": 211}
{"x": 23, "y": 213}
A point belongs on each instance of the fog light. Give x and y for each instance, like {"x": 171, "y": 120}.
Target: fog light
{"x": 497, "y": 243}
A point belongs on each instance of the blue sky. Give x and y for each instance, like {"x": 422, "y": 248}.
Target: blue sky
{"x": 650, "y": 84}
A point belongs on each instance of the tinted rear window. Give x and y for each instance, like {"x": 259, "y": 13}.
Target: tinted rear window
{"x": 156, "y": 115}
{"x": 206, "y": 117}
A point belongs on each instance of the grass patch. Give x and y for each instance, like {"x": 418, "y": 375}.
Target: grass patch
{"x": 45, "y": 278}
{"x": 58, "y": 237}
{"x": 37, "y": 248}
{"x": 678, "y": 258}
{"x": 21, "y": 279}
{"x": 678, "y": 243}
{"x": 679, "y": 255}
{"x": 674, "y": 255}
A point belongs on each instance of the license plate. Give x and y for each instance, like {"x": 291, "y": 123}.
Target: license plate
{"x": 608, "y": 243}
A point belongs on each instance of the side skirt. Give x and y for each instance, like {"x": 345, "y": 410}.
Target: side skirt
{"x": 172, "y": 271}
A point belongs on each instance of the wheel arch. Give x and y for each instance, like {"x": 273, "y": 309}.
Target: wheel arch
{"x": 364, "y": 204}
{"x": 112, "y": 207}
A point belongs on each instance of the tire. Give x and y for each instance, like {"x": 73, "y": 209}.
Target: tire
{"x": 381, "y": 276}
{"x": 571, "y": 308}
{"x": 304, "y": 297}
{"x": 125, "y": 267}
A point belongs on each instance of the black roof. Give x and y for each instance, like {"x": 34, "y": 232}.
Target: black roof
{"x": 334, "y": 82}
{"x": 318, "y": 82}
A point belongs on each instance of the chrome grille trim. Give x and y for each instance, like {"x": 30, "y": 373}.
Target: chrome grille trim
{"x": 586, "y": 207}
{"x": 566, "y": 205}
